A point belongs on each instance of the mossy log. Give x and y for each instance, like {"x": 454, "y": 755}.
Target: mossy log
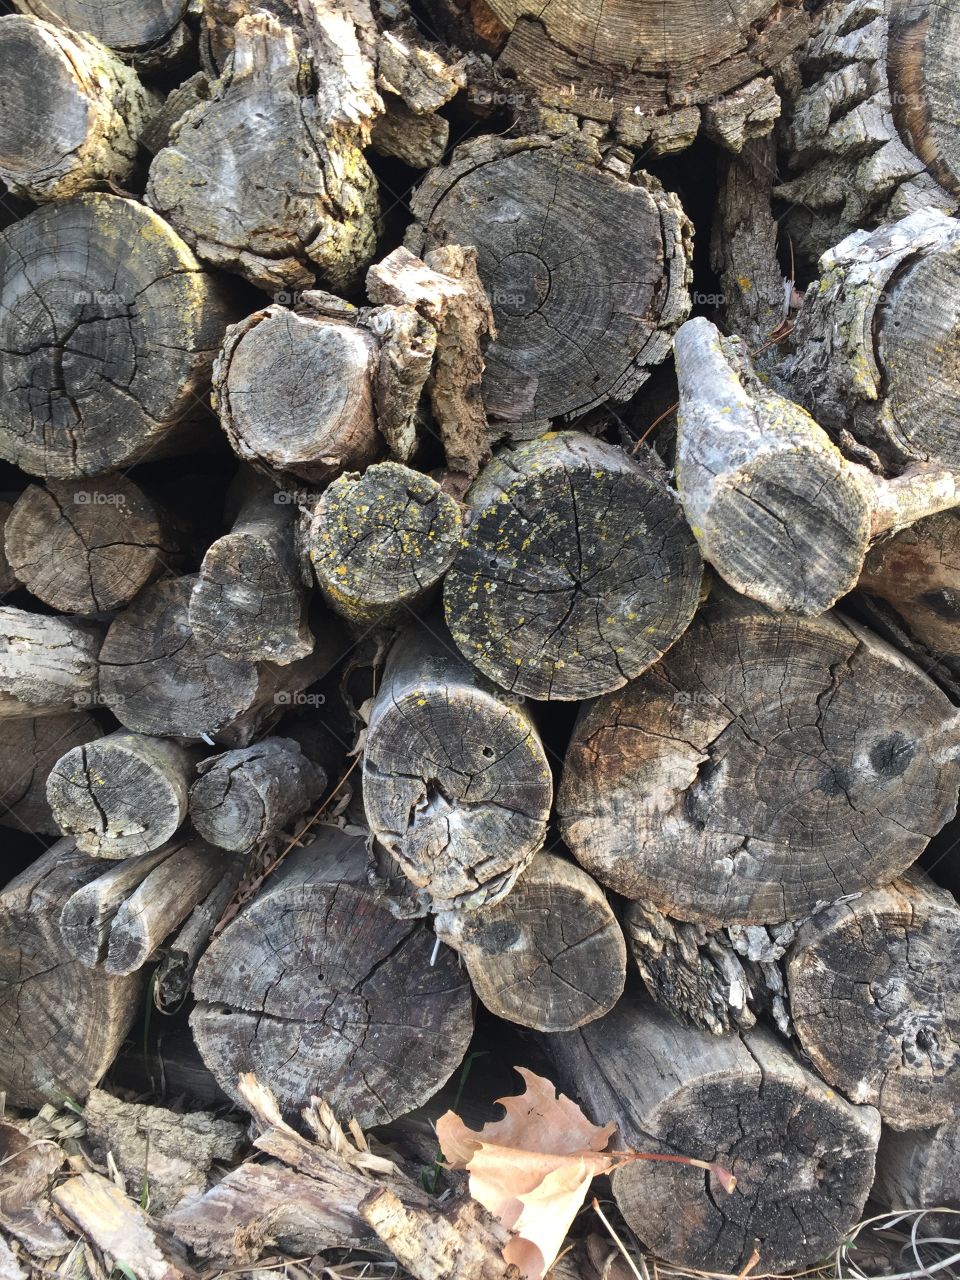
{"x": 47, "y": 665}
{"x": 30, "y": 750}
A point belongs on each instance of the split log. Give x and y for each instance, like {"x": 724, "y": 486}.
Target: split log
{"x": 31, "y": 749}
{"x": 61, "y": 1023}
{"x": 248, "y": 600}
{"x": 875, "y": 1000}
{"x": 147, "y": 32}
{"x": 48, "y": 666}
{"x": 873, "y": 338}
{"x": 419, "y": 141}
{"x": 577, "y": 571}
{"x": 777, "y": 509}
{"x": 871, "y": 133}
{"x": 182, "y": 952}
{"x": 306, "y": 125}
{"x": 921, "y": 1170}
{"x": 73, "y": 113}
{"x": 317, "y": 989}
{"x": 768, "y": 764}
{"x": 803, "y": 1157}
{"x": 122, "y": 796}
{"x": 380, "y": 543}
{"x": 109, "y": 329}
{"x": 85, "y": 546}
{"x": 456, "y": 785}
{"x": 242, "y": 797}
{"x": 574, "y": 328}
{"x": 550, "y": 955}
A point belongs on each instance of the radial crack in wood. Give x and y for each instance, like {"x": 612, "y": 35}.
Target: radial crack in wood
{"x": 30, "y": 750}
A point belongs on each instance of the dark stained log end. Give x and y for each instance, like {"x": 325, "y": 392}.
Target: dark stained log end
{"x": 30, "y": 749}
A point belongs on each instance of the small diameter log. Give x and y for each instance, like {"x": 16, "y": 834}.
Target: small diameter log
{"x": 574, "y": 328}
{"x": 550, "y": 955}
{"x": 317, "y": 989}
{"x": 61, "y": 1023}
{"x": 456, "y": 784}
{"x": 921, "y": 1170}
{"x": 109, "y": 328}
{"x": 873, "y": 340}
{"x": 272, "y": 110}
{"x": 577, "y": 571}
{"x": 875, "y": 1000}
{"x": 47, "y": 665}
{"x": 30, "y": 749}
{"x": 182, "y": 952}
{"x": 146, "y": 32}
{"x": 381, "y": 542}
{"x": 122, "y": 796}
{"x": 768, "y": 765}
{"x": 803, "y": 1157}
{"x": 777, "y": 509}
{"x": 242, "y": 797}
{"x": 248, "y": 600}
{"x": 73, "y": 113}
{"x": 294, "y": 393}
{"x": 88, "y": 546}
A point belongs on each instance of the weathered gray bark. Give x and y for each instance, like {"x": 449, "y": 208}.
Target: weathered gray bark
{"x": 456, "y": 784}
{"x": 768, "y": 764}
{"x": 921, "y": 1170}
{"x": 48, "y": 666}
{"x": 30, "y": 749}
{"x": 182, "y": 951}
{"x": 577, "y": 570}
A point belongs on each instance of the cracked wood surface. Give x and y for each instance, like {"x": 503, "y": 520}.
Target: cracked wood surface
{"x": 48, "y": 665}
{"x": 146, "y": 32}
{"x": 30, "y": 750}
{"x": 922, "y": 1168}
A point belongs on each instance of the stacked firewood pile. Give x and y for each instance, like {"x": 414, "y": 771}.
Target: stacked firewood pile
{"x": 433, "y": 576}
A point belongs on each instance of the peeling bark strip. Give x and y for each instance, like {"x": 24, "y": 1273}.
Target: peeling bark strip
{"x": 802, "y": 1156}
{"x": 60, "y": 1023}
{"x": 30, "y": 749}
{"x": 108, "y": 332}
{"x": 875, "y": 1000}
{"x": 241, "y": 797}
{"x": 921, "y": 1168}
{"x": 875, "y": 339}
{"x": 73, "y": 113}
{"x": 872, "y": 127}
{"x": 587, "y": 271}
{"x": 47, "y": 665}
{"x": 577, "y": 570}
{"x": 85, "y": 546}
{"x": 380, "y": 543}
{"x": 777, "y": 509}
{"x": 550, "y": 955}
{"x": 768, "y": 764}
{"x": 145, "y": 31}
{"x": 274, "y": 110}
{"x": 248, "y": 600}
{"x": 317, "y": 989}
{"x": 122, "y": 796}
{"x": 456, "y": 784}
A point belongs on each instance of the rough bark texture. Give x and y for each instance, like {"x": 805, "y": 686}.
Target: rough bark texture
{"x": 242, "y": 797}
{"x": 550, "y": 955}
{"x": 317, "y": 989}
{"x": 122, "y": 796}
{"x": 146, "y": 31}
{"x": 921, "y": 1170}
{"x": 183, "y": 950}
{"x": 802, "y": 1156}
{"x": 108, "y": 332}
{"x": 8, "y": 580}
{"x": 380, "y": 543}
{"x": 577, "y": 571}
{"x": 586, "y": 268}
{"x": 30, "y": 749}
{"x": 456, "y": 784}
{"x": 61, "y": 1024}
{"x": 47, "y": 665}
{"x": 767, "y": 764}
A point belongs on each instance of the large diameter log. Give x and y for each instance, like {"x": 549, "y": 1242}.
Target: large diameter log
{"x": 109, "y": 329}
{"x": 123, "y": 796}
{"x": 456, "y": 784}
{"x": 47, "y": 665}
{"x": 61, "y": 1024}
{"x": 577, "y": 571}
{"x": 768, "y": 764}
{"x": 8, "y": 579}
{"x": 317, "y": 989}
{"x": 319, "y": 208}
{"x": 380, "y": 543}
{"x": 30, "y": 750}
{"x": 85, "y": 546}
{"x": 242, "y": 797}
{"x": 873, "y": 340}
{"x": 294, "y": 392}
{"x": 875, "y": 1000}
{"x": 550, "y": 955}
{"x": 921, "y": 1170}
{"x": 145, "y": 31}
{"x": 574, "y": 329}
{"x": 803, "y": 1157}
{"x": 73, "y": 113}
